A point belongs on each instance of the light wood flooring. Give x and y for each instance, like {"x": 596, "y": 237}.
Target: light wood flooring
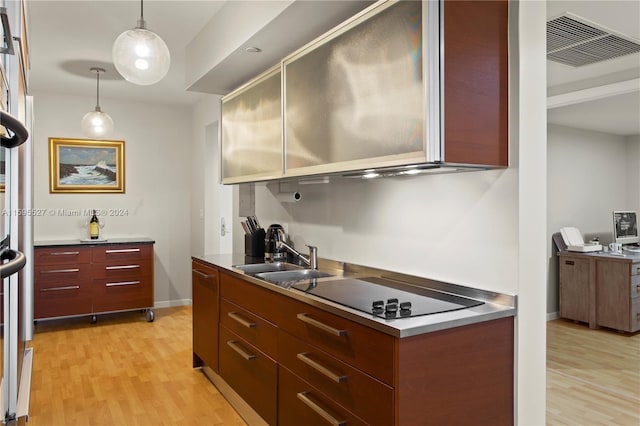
{"x": 122, "y": 371}
{"x": 125, "y": 371}
{"x": 593, "y": 376}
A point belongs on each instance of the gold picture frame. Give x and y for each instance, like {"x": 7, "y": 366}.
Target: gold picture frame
{"x": 86, "y": 166}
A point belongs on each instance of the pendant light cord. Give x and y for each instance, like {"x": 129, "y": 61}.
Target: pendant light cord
{"x": 97, "y": 71}
{"x": 98, "y": 90}
{"x": 141, "y": 23}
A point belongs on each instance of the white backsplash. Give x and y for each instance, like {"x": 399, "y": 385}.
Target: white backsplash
{"x": 460, "y": 228}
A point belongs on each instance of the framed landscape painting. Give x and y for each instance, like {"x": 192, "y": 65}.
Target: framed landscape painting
{"x": 86, "y": 166}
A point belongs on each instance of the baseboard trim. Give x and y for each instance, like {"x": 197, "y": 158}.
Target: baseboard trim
{"x": 171, "y": 303}
{"x": 553, "y": 316}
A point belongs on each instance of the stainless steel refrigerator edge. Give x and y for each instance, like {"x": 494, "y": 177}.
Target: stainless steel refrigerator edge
{"x": 18, "y": 225}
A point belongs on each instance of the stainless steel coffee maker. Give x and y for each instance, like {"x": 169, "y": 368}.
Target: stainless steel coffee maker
{"x": 272, "y": 252}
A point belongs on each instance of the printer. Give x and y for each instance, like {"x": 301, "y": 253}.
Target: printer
{"x": 574, "y": 241}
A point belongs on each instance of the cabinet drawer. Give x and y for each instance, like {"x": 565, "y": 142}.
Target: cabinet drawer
{"x": 123, "y": 268}
{"x": 635, "y": 286}
{"x": 57, "y": 299}
{"x": 122, "y": 294}
{"x": 122, "y": 252}
{"x": 62, "y": 255}
{"x": 362, "y": 347}
{"x": 365, "y": 396}
{"x": 299, "y": 403}
{"x": 635, "y": 268}
{"x": 635, "y": 315}
{"x": 250, "y": 327}
{"x": 251, "y": 373}
{"x": 72, "y": 274}
{"x": 251, "y": 297}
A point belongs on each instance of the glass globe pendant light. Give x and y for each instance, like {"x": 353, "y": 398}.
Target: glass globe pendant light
{"x": 140, "y": 55}
{"x": 97, "y": 124}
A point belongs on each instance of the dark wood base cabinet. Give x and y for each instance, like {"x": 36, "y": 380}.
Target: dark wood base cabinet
{"x": 299, "y": 403}
{"x": 296, "y": 364}
{"x": 205, "y": 294}
{"x": 458, "y": 376}
{"x": 251, "y": 373}
{"x": 87, "y": 279}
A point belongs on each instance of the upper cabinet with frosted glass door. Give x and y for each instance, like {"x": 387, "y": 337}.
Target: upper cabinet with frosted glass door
{"x": 251, "y": 130}
{"x": 402, "y": 83}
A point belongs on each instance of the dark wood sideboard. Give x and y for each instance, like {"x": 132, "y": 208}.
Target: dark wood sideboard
{"x": 84, "y": 278}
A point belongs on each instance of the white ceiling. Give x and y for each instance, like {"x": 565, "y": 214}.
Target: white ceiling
{"x": 68, "y": 37}
{"x": 616, "y": 112}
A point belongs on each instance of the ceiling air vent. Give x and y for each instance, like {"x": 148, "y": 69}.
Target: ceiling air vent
{"x": 575, "y": 41}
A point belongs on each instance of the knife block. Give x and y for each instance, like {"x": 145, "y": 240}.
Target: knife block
{"x": 254, "y": 243}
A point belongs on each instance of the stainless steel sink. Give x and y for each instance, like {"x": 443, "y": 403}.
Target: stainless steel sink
{"x": 291, "y": 276}
{"x": 256, "y": 268}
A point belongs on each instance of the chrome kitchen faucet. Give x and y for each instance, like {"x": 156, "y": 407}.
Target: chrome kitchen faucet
{"x": 311, "y": 261}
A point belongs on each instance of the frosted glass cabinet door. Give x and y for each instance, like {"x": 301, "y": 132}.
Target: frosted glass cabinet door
{"x": 354, "y": 99}
{"x": 251, "y": 130}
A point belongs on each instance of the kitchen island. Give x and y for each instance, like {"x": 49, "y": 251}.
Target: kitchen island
{"x": 284, "y": 356}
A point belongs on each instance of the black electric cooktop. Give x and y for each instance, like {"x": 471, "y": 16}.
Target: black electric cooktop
{"x": 370, "y": 296}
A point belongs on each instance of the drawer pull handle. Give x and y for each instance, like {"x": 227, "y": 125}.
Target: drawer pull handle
{"x": 322, "y": 326}
{"x": 122, "y": 283}
{"x": 569, "y": 262}
{"x": 69, "y": 287}
{"x": 202, "y": 274}
{"x": 236, "y": 316}
{"x": 304, "y": 357}
{"x": 133, "y": 250}
{"x": 233, "y": 344}
{"x": 115, "y": 268}
{"x": 65, "y": 253}
{"x": 302, "y": 396}
{"x": 60, "y": 271}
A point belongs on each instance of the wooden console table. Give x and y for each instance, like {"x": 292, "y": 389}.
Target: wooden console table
{"x": 601, "y": 289}
{"x": 88, "y": 278}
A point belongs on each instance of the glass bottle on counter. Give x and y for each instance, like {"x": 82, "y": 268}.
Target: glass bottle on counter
{"x": 94, "y": 227}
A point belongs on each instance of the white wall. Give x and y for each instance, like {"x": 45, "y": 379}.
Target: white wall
{"x": 587, "y": 177}
{"x": 590, "y": 174}
{"x": 157, "y": 198}
{"x": 203, "y": 115}
{"x": 633, "y": 170}
{"x": 528, "y": 125}
{"x": 451, "y": 227}
{"x": 210, "y": 201}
